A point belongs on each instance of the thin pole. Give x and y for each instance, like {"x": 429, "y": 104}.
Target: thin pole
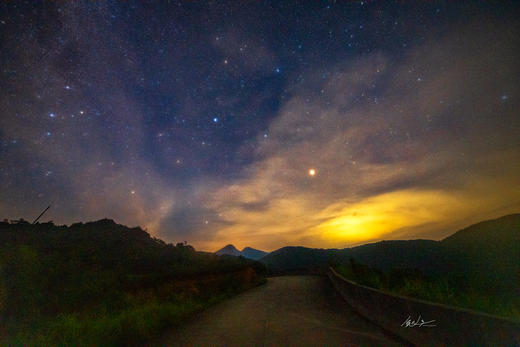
{"x": 41, "y": 214}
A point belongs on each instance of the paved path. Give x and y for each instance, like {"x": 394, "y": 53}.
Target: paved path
{"x": 287, "y": 311}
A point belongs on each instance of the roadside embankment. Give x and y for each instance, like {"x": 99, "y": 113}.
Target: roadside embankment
{"x": 403, "y": 316}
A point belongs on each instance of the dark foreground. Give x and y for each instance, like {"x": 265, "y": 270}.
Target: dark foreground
{"x": 290, "y": 310}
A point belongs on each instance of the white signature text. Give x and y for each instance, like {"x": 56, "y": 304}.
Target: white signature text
{"x": 410, "y": 323}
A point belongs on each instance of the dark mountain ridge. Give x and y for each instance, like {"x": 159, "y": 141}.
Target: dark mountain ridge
{"x": 486, "y": 253}
{"x": 247, "y": 252}
{"x": 252, "y": 253}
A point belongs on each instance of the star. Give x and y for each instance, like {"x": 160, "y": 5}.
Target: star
{"x": 52, "y": 115}
{"x": 215, "y": 120}
{"x": 312, "y": 172}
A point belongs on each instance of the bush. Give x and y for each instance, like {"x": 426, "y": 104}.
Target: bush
{"x": 104, "y": 283}
{"x": 454, "y": 291}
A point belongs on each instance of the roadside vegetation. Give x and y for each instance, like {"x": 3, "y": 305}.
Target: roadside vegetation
{"x": 450, "y": 289}
{"x": 101, "y": 283}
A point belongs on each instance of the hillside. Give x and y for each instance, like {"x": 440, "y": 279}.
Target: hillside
{"x": 252, "y": 253}
{"x": 384, "y": 254}
{"x": 298, "y": 258}
{"x": 488, "y": 251}
{"x": 104, "y": 282}
{"x": 477, "y": 267}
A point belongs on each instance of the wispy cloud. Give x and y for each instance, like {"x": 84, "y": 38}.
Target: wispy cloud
{"x": 403, "y": 148}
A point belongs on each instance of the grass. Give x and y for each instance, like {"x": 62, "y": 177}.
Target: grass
{"x": 142, "y": 319}
{"x": 101, "y": 283}
{"x": 444, "y": 290}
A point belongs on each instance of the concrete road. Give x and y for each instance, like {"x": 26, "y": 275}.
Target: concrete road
{"x": 287, "y": 311}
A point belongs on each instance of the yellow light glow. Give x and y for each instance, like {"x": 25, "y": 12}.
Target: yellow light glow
{"x": 312, "y": 172}
{"x": 381, "y": 215}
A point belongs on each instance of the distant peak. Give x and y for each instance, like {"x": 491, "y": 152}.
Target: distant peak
{"x": 229, "y": 250}
{"x": 253, "y": 253}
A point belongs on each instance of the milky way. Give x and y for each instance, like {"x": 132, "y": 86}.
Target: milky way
{"x": 323, "y": 124}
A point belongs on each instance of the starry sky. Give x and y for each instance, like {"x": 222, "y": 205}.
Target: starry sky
{"x": 261, "y": 123}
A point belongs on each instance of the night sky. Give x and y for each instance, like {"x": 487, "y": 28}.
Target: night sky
{"x": 261, "y": 123}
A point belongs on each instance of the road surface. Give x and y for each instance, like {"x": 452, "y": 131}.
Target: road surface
{"x": 287, "y": 311}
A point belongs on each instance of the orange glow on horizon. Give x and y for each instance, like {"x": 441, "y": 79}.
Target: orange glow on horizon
{"x": 378, "y": 217}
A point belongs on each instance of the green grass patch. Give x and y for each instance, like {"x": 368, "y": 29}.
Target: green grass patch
{"x": 445, "y": 290}
{"x": 102, "y": 283}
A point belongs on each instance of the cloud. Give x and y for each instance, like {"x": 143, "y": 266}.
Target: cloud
{"x": 87, "y": 158}
{"x": 405, "y": 144}
{"x": 403, "y": 147}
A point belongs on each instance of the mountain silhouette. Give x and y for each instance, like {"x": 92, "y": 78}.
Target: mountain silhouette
{"x": 228, "y": 250}
{"x": 247, "y": 252}
{"x": 489, "y": 251}
{"x": 252, "y": 253}
{"x": 483, "y": 254}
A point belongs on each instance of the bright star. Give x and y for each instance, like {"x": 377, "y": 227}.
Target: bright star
{"x": 312, "y": 172}
{"x": 215, "y": 120}
{"x": 52, "y": 115}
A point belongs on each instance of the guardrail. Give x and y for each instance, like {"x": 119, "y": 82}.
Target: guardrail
{"x": 425, "y": 323}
